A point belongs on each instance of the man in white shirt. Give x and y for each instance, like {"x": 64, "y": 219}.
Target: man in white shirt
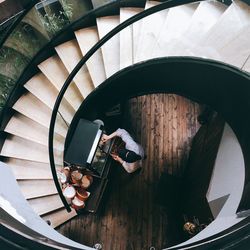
{"x": 131, "y": 157}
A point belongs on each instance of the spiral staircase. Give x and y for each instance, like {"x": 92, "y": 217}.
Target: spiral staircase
{"x": 206, "y": 29}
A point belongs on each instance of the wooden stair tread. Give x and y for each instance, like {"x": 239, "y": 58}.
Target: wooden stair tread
{"x": 20, "y": 148}
{"x": 126, "y": 37}
{"x": 234, "y": 19}
{"x": 26, "y": 128}
{"x": 176, "y": 23}
{"x": 86, "y": 39}
{"x": 59, "y": 216}
{"x": 46, "y": 204}
{"x": 150, "y": 30}
{"x": 237, "y": 51}
{"x": 111, "y": 49}
{"x": 70, "y": 54}
{"x": 37, "y": 188}
{"x": 33, "y": 108}
{"x": 45, "y": 91}
{"x": 57, "y": 74}
{"x": 25, "y": 169}
{"x": 246, "y": 67}
{"x": 204, "y": 18}
{"x": 137, "y": 28}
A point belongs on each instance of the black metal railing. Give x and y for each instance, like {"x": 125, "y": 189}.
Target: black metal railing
{"x": 98, "y": 45}
{"x": 213, "y": 240}
{"x": 244, "y": 224}
{"x": 30, "y": 69}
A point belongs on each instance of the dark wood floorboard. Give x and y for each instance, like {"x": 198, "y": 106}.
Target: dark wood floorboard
{"x": 131, "y": 219}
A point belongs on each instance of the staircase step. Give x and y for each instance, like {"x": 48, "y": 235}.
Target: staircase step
{"x": 57, "y": 74}
{"x": 46, "y": 204}
{"x": 20, "y": 148}
{"x": 59, "y": 216}
{"x": 233, "y": 20}
{"x": 246, "y": 67}
{"x": 37, "y": 188}
{"x": 25, "y": 169}
{"x": 45, "y": 91}
{"x": 126, "y": 38}
{"x": 86, "y": 39}
{"x": 33, "y": 108}
{"x": 176, "y": 23}
{"x": 205, "y": 17}
{"x": 137, "y": 28}
{"x": 28, "y": 129}
{"x": 111, "y": 49}
{"x": 150, "y": 30}
{"x": 237, "y": 51}
{"x": 70, "y": 55}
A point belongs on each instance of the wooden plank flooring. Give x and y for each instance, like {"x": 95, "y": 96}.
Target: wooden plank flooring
{"x": 131, "y": 219}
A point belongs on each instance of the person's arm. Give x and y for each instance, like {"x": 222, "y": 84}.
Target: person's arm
{"x": 130, "y": 167}
{"x": 108, "y": 137}
{"x": 117, "y": 158}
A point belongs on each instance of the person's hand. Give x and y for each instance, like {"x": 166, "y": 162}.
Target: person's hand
{"x": 114, "y": 156}
{"x": 104, "y": 138}
{"x": 117, "y": 158}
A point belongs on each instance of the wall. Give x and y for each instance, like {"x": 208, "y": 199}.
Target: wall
{"x": 228, "y": 175}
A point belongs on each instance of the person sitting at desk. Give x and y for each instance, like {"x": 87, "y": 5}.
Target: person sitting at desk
{"x": 131, "y": 156}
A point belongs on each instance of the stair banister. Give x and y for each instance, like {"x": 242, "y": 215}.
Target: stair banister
{"x": 98, "y": 45}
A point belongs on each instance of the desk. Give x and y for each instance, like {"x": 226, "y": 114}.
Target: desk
{"x": 86, "y": 154}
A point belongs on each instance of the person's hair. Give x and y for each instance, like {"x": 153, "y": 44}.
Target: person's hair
{"x": 128, "y": 155}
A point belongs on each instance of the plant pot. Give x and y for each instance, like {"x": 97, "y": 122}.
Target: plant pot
{"x": 77, "y": 204}
{"x": 86, "y": 181}
{"x": 82, "y": 194}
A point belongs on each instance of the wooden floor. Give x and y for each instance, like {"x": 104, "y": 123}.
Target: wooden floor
{"x": 131, "y": 219}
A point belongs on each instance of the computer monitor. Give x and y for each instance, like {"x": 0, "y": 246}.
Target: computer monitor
{"x": 83, "y": 144}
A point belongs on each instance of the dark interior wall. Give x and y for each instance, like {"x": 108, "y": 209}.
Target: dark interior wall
{"x": 224, "y": 88}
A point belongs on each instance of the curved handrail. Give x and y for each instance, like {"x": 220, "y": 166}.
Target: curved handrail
{"x": 120, "y": 92}
{"x": 231, "y": 230}
{"x": 17, "y": 21}
{"x": 88, "y": 15}
{"x": 107, "y": 37}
